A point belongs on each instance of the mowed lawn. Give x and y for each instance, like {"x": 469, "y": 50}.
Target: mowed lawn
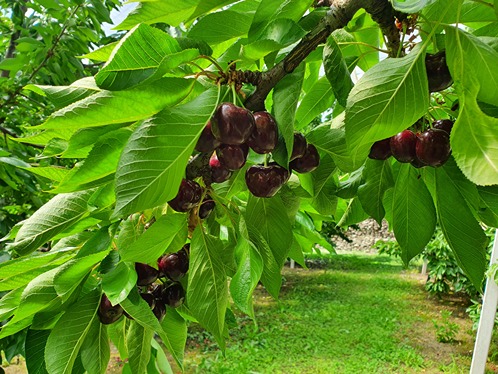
{"x": 356, "y": 314}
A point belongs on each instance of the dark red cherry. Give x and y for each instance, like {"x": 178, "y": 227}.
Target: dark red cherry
{"x": 232, "y": 124}
{"x": 159, "y": 310}
{"x": 433, "y": 147}
{"x": 308, "y": 162}
{"x": 173, "y": 295}
{"x": 219, "y": 173}
{"x": 299, "y": 146}
{"x": 149, "y": 298}
{"x": 264, "y": 138}
{"x": 443, "y": 124}
{"x": 107, "y": 312}
{"x": 189, "y": 195}
{"x": 173, "y": 265}
{"x": 380, "y": 150}
{"x": 265, "y": 181}
{"x": 145, "y": 274}
{"x": 207, "y": 142}
{"x": 233, "y": 157}
{"x": 206, "y": 207}
{"x": 438, "y": 74}
{"x": 403, "y": 146}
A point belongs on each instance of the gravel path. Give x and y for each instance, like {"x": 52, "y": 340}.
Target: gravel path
{"x": 364, "y": 238}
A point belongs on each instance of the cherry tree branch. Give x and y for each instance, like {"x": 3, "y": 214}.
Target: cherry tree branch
{"x": 340, "y": 13}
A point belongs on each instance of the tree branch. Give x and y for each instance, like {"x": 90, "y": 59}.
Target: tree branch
{"x": 11, "y": 49}
{"x": 340, "y": 13}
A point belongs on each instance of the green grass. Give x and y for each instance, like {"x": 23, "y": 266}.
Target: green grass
{"x": 357, "y": 314}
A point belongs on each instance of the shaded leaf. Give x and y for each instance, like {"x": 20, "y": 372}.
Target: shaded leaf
{"x": 163, "y": 144}
{"x": 207, "y": 292}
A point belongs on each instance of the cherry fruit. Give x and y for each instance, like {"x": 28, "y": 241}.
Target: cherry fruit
{"x": 433, "y": 147}
{"x": 264, "y": 138}
{"x": 219, "y": 173}
{"x": 173, "y": 265}
{"x": 107, "y": 312}
{"x": 232, "y": 124}
{"x": 189, "y": 195}
{"x": 380, "y": 150}
{"x": 207, "y": 142}
{"x": 403, "y": 146}
{"x": 443, "y": 124}
{"x": 265, "y": 181}
{"x": 438, "y": 74}
{"x": 308, "y": 162}
{"x": 173, "y": 295}
{"x": 232, "y": 157}
{"x": 206, "y": 207}
{"x": 299, "y": 146}
{"x": 145, "y": 274}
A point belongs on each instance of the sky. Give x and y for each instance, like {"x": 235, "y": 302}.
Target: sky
{"x": 118, "y": 16}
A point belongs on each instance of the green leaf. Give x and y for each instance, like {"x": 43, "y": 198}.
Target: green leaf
{"x": 304, "y": 227}
{"x": 175, "y": 328}
{"x": 54, "y": 173}
{"x": 314, "y": 103}
{"x": 156, "y": 240}
{"x": 36, "y": 340}
{"x": 321, "y": 184}
{"x": 73, "y": 272}
{"x": 489, "y": 196}
{"x": 140, "y": 311}
{"x": 332, "y": 141}
{"x": 377, "y": 178}
{"x": 101, "y": 162}
{"x": 163, "y": 144}
{"x": 353, "y": 214}
{"x": 388, "y": 98}
{"x": 38, "y": 295}
{"x": 410, "y": 6}
{"x": 473, "y": 141}
{"x": 109, "y": 107}
{"x": 285, "y": 99}
{"x": 269, "y": 218}
{"x": 62, "y": 96}
{"x": 207, "y": 292}
{"x": 82, "y": 141}
{"x": 461, "y": 230}
{"x": 471, "y": 62}
{"x": 414, "y": 214}
{"x": 270, "y": 10}
{"x": 95, "y": 350}
{"x": 221, "y": 26}
{"x": 101, "y": 54}
{"x": 118, "y": 283}
{"x": 57, "y": 215}
{"x": 117, "y": 334}
{"x": 171, "y": 13}
{"x": 144, "y": 54}
{"x": 138, "y": 340}
{"x": 337, "y": 71}
{"x": 276, "y": 35}
{"x": 249, "y": 270}
{"x": 66, "y": 339}
{"x": 9, "y": 303}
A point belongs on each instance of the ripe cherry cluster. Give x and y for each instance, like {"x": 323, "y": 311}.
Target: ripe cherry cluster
{"x": 172, "y": 267}
{"x": 428, "y": 148}
{"x": 233, "y": 130}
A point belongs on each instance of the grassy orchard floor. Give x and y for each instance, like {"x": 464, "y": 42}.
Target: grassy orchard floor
{"x": 359, "y": 314}
{"x": 356, "y": 314}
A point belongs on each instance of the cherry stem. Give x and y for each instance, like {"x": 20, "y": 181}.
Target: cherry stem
{"x": 213, "y": 61}
{"x": 234, "y": 93}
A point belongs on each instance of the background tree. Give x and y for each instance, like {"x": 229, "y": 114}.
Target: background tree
{"x": 180, "y": 88}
